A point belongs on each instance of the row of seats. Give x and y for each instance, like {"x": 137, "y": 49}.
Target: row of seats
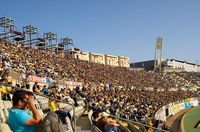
{"x": 4, "y": 107}
{"x": 132, "y": 127}
{"x": 41, "y": 104}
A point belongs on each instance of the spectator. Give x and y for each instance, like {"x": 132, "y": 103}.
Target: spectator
{"x": 104, "y": 124}
{"x": 24, "y": 117}
{"x": 19, "y": 119}
{"x": 64, "y": 115}
{"x": 5, "y": 89}
{"x": 45, "y": 90}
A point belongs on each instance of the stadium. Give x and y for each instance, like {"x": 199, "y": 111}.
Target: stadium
{"x": 47, "y": 85}
{"x": 133, "y": 99}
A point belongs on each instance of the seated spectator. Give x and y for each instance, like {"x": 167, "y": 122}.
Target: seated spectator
{"x": 19, "y": 119}
{"x": 45, "y": 90}
{"x": 36, "y": 88}
{"x": 5, "y": 89}
{"x": 104, "y": 123}
{"x": 63, "y": 114}
{"x": 24, "y": 116}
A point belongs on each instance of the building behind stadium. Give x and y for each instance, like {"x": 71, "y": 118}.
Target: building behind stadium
{"x": 168, "y": 65}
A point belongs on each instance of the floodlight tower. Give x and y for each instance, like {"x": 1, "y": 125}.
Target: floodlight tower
{"x": 51, "y": 39}
{"x": 8, "y": 25}
{"x": 66, "y": 42}
{"x": 158, "y": 55}
{"x": 32, "y": 33}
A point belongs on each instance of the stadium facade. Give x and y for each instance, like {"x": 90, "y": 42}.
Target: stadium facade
{"x": 105, "y": 59}
{"x": 168, "y": 65}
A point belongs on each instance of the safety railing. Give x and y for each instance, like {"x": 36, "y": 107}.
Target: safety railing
{"x": 143, "y": 126}
{"x": 73, "y": 107}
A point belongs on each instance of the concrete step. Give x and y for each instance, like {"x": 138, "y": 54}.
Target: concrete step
{"x": 83, "y": 123}
{"x": 79, "y": 129}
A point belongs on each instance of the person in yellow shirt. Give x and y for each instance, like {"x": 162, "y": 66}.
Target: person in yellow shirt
{"x": 149, "y": 123}
{"x": 64, "y": 115}
{"x": 55, "y": 107}
{"x": 52, "y": 104}
{"x": 2, "y": 89}
{"x": 5, "y": 90}
{"x": 36, "y": 88}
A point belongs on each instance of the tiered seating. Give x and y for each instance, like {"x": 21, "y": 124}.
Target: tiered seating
{"x": 179, "y": 81}
{"x": 191, "y": 77}
{"x": 38, "y": 106}
{"x": 43, "y": 103}
{"x": 79, "y": 110}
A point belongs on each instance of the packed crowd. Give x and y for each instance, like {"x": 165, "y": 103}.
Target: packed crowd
{"x": 131, "y": 104}
{"x": 194, "y": 77}
{"x": 46, "y": 63}
{"x": 55, "y": 97}
{"x": 120, "y": 91}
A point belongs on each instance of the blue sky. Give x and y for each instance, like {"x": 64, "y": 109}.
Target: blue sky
{"x": 117, "y": 27}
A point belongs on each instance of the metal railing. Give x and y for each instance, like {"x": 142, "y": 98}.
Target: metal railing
{"x": 73, "y": 107}
{"x": 138, "y": 123}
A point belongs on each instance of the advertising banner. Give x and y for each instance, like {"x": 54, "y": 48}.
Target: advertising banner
{"x": 194, "y": 102}
{"x": 175, "y": 107}
{"x": 37, "y": 79}
{"x": 187, "y": 104}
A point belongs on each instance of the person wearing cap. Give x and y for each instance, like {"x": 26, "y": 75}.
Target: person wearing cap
{"x": 19, "y": 119}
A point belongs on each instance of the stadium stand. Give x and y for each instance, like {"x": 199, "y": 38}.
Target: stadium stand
{"x": 118, "y": 91}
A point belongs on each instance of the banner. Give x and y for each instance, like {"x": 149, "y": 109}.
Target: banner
{"x": 187, "y": 104}
{"x": 37, "y": 79}
{"x": 70, "y": 83}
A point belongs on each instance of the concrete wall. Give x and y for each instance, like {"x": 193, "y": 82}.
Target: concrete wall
{"x": 104, "y": 59}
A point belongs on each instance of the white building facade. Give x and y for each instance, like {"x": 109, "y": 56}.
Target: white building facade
{"x": 186, "y": 66}
{"x": 111, "y": 60}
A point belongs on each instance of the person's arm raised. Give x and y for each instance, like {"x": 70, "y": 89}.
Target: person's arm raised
{"x": 36, "y": 115}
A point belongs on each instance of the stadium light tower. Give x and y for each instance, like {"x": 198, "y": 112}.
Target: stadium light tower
{"x": 32, "y": 33}
{"x": 51, "y": 39}
{"x": 9, "y": 30}
{"x": 66, "y": 42}
{"x": 158, "y": 55}
{"x": 8, "y": 25}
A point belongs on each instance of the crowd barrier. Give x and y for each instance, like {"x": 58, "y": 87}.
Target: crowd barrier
{"x": 171, "y": 109}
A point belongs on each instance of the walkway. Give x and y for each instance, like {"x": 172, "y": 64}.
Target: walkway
{"x": 173, "y": 122}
